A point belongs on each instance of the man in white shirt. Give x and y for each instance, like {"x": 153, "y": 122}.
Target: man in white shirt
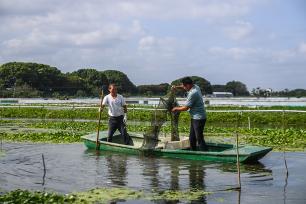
{"x": 117, "y": 113}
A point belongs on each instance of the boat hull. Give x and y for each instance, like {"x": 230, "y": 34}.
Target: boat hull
{"x": 247, "y": 154}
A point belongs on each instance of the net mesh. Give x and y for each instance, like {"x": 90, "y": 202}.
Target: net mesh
{"x": 158, "y": 118}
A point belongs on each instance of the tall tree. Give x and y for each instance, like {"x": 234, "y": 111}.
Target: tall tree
{"x": 219, "y": 88}
{"x": 157, "y": 90}
{"x": 93, "y": 80}
{"x": 201, "y": 82}
{"x": 237, "y": 88}
{"x": 121, "y": 80}
{"x": 38, "y": 76}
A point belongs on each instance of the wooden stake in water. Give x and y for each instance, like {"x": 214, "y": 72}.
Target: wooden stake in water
{"x": 238, "y": 163}
{"x": 249, "y": 121}
{"x": 237, "y": 150}
{"x": 284, "y": 151}
{"x": 99, "y": 122}
{"x": 155, "y": 115}
{"x": 1, "y": 140}
{"x": 134, "y": 117}
{"x": 165, "y": 125}
{"x": 44, "y": 165}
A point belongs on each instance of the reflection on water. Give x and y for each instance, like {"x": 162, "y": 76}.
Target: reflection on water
{"x": 117, "y": 169}
{"x": 70, "y": 167}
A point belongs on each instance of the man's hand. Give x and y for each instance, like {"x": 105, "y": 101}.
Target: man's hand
{"x": 125, "y": 118}
{"x": 174, "y": 109}
{"x": 101, "y": 108}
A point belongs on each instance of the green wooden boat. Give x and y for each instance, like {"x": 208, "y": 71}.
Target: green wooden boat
{"x": 216, "y": 152}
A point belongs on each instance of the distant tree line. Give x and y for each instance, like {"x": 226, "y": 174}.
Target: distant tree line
{"x": 261, "y": 92}
{"x": 20, "y": 79}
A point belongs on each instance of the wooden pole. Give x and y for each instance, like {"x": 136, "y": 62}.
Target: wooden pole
{"x": 99, "y": 122}
{"x": 237, "y": 150}
{"x": 249, "y": 121}
{"x": 238, "y": 163}
{"x": 44, "y": 165}
{"x": 134, "y": 120}
{"x": 165, "y": 126}
{"x": 284, "y": 150}
{"x": 155, "y": 115}
{"x": 1, "y": 141}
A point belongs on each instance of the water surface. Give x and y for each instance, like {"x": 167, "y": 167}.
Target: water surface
{"x": 70, "y": 168}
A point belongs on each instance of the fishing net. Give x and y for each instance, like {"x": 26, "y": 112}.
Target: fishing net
{"x": 158, "y": 118}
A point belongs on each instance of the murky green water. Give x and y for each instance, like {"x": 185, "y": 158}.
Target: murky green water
{"x": 70, "y": 168}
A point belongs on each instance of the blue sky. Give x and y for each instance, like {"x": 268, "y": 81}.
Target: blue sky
{"x": 259, "y": 42}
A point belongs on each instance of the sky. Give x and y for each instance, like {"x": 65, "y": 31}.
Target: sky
{"x": 261, "y": 43}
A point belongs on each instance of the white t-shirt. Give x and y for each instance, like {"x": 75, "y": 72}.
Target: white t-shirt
{"x": 115, "y": 105}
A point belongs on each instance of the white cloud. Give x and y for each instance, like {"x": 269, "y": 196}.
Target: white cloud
{"x": 302, "y": 48}
{"x": 171, "y": 9}
{"x": 258, "y": 55}
{"x": 283, "y": 56}
{"x": 237, "y": 53}
{"x": 272, "y": 36}
{"x": 146, "y": 43}
{"x": 239, "y": 31}
{"x": 97, "y": 37}
{"x": 137, "y": 36}
{"x": 155, "y": 48}
{"x": 136, "y": 28}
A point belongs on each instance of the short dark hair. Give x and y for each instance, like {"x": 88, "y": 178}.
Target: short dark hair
{"x": 187, "y": 80}
{"x": 111, "y": 84}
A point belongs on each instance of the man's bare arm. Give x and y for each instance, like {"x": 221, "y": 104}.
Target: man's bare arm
{"x": 177, "y": 86}
{"x": 180, "y": 108}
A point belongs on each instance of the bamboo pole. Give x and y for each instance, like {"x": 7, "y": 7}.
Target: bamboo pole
{"x": 99, "y": 122}
{"x": 238, "y": 163}
{"x": 134, "y": 121}
{"x": 237, "y": 150}
{"x": 165, "y": 126}
{"x": 155, "y": 107}
{"x": 44, "y": 165}
{"x": 1, "y": 141}
{"x": 249, "y": 122}
{"x": 284, "y": 150}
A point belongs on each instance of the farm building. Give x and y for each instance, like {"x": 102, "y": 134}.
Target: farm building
{"x": 222, "y": 94}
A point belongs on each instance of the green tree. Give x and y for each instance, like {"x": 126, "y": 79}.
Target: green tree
{"x": 121, "y": 80}
{"x": 38, "y": 76}
{"x": 157, "y": 90}
{"x": 204, "y": 84}
{"x": 237, "y": 88}
{"x": 71, "y": 85}
{"x": 93, "y": 80}
{"x": 219, "y": 88}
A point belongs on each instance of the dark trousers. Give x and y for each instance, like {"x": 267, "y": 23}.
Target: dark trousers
{"x": 116, "y": 123}
{"x": 196, "y": 135}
